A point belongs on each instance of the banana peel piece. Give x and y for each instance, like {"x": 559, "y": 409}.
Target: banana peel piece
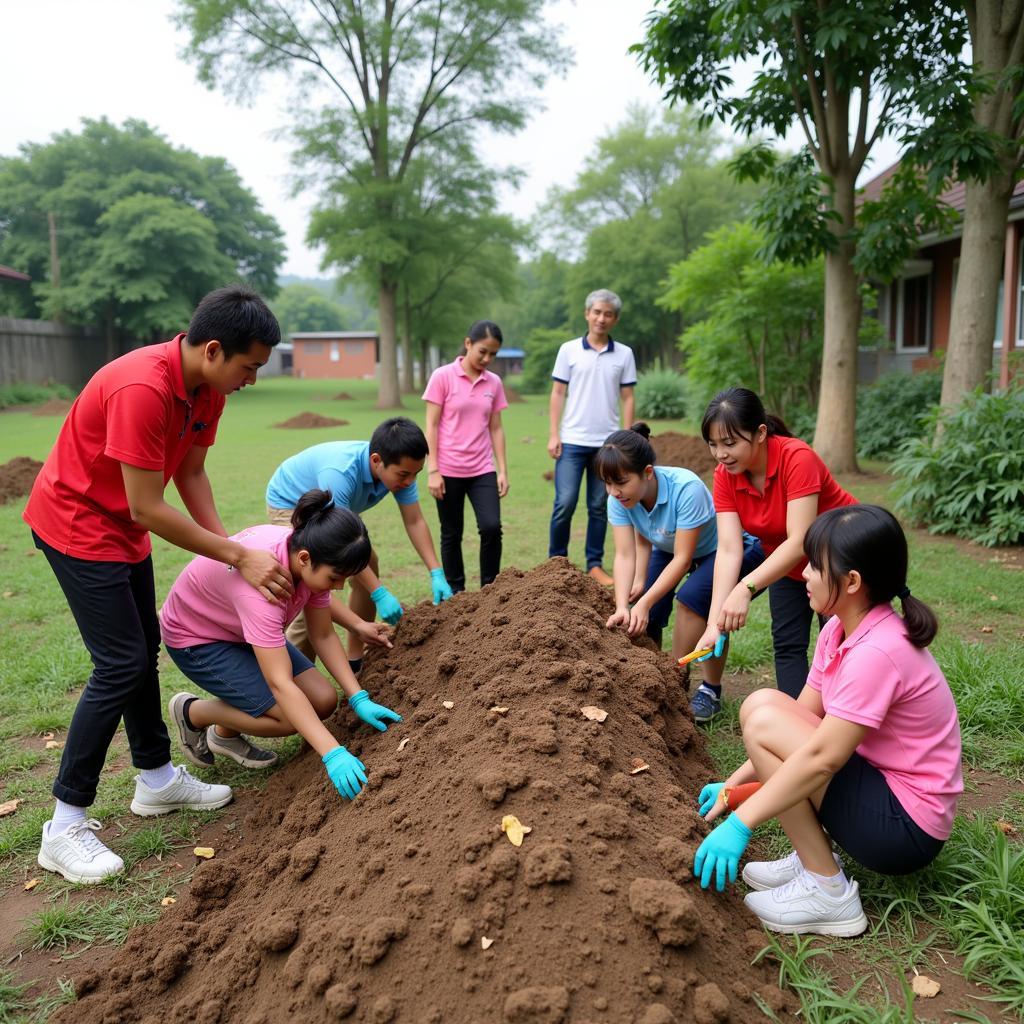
{"x": 514, "y": 829}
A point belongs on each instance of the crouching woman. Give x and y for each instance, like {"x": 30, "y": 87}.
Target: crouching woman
{"x": 867, "y": 757}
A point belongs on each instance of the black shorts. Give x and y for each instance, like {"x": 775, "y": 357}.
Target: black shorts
{"x": 861, "y": 814}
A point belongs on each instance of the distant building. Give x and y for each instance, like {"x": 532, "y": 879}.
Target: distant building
{"x": 349, "y": 355}
{"x": 509, "y": 361}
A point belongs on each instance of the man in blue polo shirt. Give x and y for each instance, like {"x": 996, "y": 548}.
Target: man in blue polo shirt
{"x": 592, "y": 376}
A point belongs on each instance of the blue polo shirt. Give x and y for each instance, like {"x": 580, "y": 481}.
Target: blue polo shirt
{"x": 683, "y": 503}
{"x": 341, "y": 467}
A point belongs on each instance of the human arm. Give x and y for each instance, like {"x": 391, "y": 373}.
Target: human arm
{"x": 627, "y": 396}
{"x": 435, "y": 482}
{"x": 623, "y": 569}
{"x": 684, "y": 545}
{"x": 556, "y": 406}
{"x": 419, "y": 534}
{"x": 376, "y": 634}
{"x": 728, "y": 562}
{"x": 498, "y": 444}
{"x": 196, "y": 492}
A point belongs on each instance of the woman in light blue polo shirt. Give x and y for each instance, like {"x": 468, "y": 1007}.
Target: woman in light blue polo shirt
{"x": 663, "y": 519}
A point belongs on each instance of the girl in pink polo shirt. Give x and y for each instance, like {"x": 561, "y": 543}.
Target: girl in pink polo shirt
{"x": 868, "y": 756}
{"x": 464, "y": 402}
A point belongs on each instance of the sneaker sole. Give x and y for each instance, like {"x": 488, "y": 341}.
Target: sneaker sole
{"x": 51, "y": 865}
{"x": 245, "y": 762}
{"x": 760, "y": 887}
{"x": 837, "y": 929}
{"x": 151, "y": 810}
{"x": 183, "y": 739}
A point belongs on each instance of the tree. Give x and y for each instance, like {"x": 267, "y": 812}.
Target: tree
{"x": 901, "y": 57}
{"x": 403, "y": 75}
{"x": 143, "y": 230}
{"x": 301, "y": 307}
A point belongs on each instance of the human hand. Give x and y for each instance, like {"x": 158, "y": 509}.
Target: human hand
{"x": 620, "y": 617}
{"x": 376, "y": 634}
{"x": 346, "y": 771}
{"x": 261, "y": 570}
{"x": 716, "y": 651}
{"x": 439, "y": 588}
{"x": 636, "y": 590}
{"x": 734, "y": 612}
{"x": 720, "y": 853}
{"x": 387, "y": 604}
{"x": 435, "y": 484}
{"x": 554, "y": 447}
{"x": 709, "y": 797}
{"x": 639, "y": 616}
{"x": 372, "y": 714}
{"x": 502, "y": 485}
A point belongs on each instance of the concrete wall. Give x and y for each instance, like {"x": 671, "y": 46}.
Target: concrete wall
{"x": 36, "y": 351}
{"x": 342, "y": 358}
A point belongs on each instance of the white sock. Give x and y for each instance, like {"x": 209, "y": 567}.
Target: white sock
{"x": 831, "y": 885}
{"x": 64, "y": 816}
{"x": 157, "y": 778}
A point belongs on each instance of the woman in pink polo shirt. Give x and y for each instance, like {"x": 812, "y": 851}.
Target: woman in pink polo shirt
{"x": 868, "y": 756}
{"x": 464, "y": 402}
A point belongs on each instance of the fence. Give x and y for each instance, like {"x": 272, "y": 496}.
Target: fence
{"x": 34, "y": 351}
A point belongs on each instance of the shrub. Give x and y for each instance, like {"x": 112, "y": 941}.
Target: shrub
{"x": 28, "y": 394}
{"x": 541, "y": 347}
{"x": 661, "y": 395}
{"x": 971, "y": 481}
{"x": 893, "y": 410}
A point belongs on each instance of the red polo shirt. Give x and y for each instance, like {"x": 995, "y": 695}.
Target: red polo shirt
{"x": 794, "y": 471}
{"x": 135, "y": 411}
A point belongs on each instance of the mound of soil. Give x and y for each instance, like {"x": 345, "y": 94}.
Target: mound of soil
{"x": 307, "y": 420}
{"x": 683, "y": 450}
{"x": 343, "y": 396}
{"x": 53, "y": 407}
{"x": 410, "y": 905}
{"x": 17, "y": 478}
{"x": 512, "y": 396}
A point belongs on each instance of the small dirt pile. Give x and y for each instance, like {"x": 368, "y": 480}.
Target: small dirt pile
{"x": 53, "y": 407}
{"x": 512, "y": 396}
{"x": 343, "y": 396}
{"x": 410, "y": 905}
{"x": 683, "y": 450}
{"x": 308, "y": 420}
{"x": 17, "y": 478}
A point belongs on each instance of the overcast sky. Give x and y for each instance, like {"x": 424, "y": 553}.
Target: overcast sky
{"x": 68, "y": 59}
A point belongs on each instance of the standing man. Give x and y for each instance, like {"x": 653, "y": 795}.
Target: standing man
{"x": 592, "y": 375}
{"x": 142, "y": 420}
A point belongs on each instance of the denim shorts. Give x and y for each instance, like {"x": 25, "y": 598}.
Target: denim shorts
{"x": 231, "y": 672}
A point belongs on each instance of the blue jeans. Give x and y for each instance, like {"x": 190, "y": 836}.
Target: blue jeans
{"x": 569, "y": 469}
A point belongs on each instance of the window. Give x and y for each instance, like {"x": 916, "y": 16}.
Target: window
{"x": 913, "y": 313}
{"x": 335, "y": 352}
{"x": 314, "y": 348}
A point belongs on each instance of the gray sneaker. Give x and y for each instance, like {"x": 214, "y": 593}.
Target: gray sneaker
{"x": 239, "y": 749}
{"x": 193, "y": 741}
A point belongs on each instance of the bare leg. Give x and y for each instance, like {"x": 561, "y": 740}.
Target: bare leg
{"x": 687, "y": 631}
{"x": 362, "y": 604}
{"x": 774, "y": 727}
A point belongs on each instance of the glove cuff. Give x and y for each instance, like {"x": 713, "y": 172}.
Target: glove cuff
{"x": 435, "y": 573}
{"x": 738, "y": 825}
{"x": 377, "y": 594}
{"x": 330, "y": 755}
{"x": 358, "y": 698}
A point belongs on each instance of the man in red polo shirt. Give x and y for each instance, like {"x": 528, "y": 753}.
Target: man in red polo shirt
{"x": 141, "y": 421}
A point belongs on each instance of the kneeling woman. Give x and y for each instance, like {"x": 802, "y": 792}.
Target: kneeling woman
{"x": 229, "y": 640}
{"x": 867, "y": 756}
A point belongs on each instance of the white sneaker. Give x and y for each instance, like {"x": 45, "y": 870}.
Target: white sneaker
{"x": 770, "y": 874}
{"x": 78, "y": 854}
{"x": 183, "y": 793}
{"x": 802, "y": 907}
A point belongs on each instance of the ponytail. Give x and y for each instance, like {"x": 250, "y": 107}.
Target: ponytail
{"x": 624, "y": 452}
{"x": 920, "y": 620}
{"x": 740, "y": 412}
{"x": 331, "y": 534}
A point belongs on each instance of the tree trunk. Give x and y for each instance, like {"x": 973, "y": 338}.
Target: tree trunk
{"x": 388, "y": 395}
{"x": 408, "y": 384}
{"x": 424, "y": 361}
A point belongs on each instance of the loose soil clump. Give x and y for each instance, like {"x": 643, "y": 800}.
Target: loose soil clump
{"x": 412, "y": 905}
{"x": 683, "y": 450}
{"x": 53, "y": 407}
{"x": 17, "y": 478}
{"x": 308, "y": 420}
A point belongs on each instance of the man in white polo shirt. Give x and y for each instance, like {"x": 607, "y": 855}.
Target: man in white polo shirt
{"x": 591, "y": 375}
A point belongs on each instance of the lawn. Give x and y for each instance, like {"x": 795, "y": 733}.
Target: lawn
{"x": 962, "y": 919}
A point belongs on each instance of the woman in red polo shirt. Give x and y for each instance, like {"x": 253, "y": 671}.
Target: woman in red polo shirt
{"x": 771, "y": 485}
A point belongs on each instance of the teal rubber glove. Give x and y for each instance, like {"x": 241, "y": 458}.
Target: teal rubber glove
{"x": 439, "y": 586}
{"x": 718, "y": 648}
{"x": 720, "y": 853}
{"x": 372, "y": 714}
{"x": 708, "y": 796}
{"x": 346, "y": 771}
{"x": 387, "y": 604}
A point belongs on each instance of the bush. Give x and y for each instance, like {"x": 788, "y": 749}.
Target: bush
{"x": 541, "y": 347}
{"x": 29, "y": 394}
{"x": 893, "y": 410}
{"x": 661, "y": 395}
{"x": 971, "y": 481}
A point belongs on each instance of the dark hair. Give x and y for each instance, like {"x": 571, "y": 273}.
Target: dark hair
{"x": 484, "y": 329}
{"x": 869, "y": 539}
{"x": 625, "y": 451}
{"x": 330, "y": 533}
{"x": 396, "y": 439}
{"x": 235, "y": 316}
{"x": 740, "y": 412}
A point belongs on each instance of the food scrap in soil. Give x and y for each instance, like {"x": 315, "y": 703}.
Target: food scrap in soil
{"x": 17, "y": 478}
{"x": 683, "y": 450}
{"x": 308, "y": 420}
{"x": 53, "y": 407}
{"x": 376, "y": 909}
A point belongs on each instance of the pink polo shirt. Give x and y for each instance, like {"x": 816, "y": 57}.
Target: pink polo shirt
{"x": 210, "y": 602}
{"x": 463, "y": 435}
{"x": 876, "y": 677}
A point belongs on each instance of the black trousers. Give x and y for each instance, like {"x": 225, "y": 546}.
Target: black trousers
{"x": 791, "y": 633}
{"x": 482, "y": 492}
{"x": 114, "y": 605}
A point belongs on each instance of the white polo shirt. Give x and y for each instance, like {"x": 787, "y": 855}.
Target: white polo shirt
{"x": 594, "y": 379}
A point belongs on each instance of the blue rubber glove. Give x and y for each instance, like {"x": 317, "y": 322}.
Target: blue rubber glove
{"x": 347, "y": 772}
{"x": 439, "y": 586}
{"x": 387, "y": 604}
{"x": 720, "y": 853}
{"x": 372, "y": 714}
{"x": 718, "y": 648}
{"x": 708, "y": 796}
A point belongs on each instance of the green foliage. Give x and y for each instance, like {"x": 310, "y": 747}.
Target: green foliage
{"x": 661, "y": 395}
{"x": 301, "y": 307}
{"x": 538, "y": 300}
{"x": 541, "y": 348}
{"x": 970, "y": 480}
{"x": 893, "y": 409}
{"x": 29, "y": 394}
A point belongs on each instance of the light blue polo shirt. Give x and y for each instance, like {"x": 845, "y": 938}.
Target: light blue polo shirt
{"x": 683, "y": 503}
{"x": 341, "y": 467}
{"x": 592, "y": 398}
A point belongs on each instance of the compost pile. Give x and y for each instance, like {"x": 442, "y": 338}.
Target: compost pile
{"x": 411, "y": 904}
{"x": 684, "y": 450}
{"x": 17, "y": 478}
{"x": 307, "y": 420}
{"x": 53, "y": 407}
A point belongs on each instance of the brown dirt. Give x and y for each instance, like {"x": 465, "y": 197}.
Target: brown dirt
{"x": 17, "y": 478}
{"x": 343, "y": 396}
{"x": 375, "y": 910}
{"x": 308, "y": 420}
{"x": 53, "y": 407}
{"x": 683, "y": 450}
{"x": 512, "y": 396}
